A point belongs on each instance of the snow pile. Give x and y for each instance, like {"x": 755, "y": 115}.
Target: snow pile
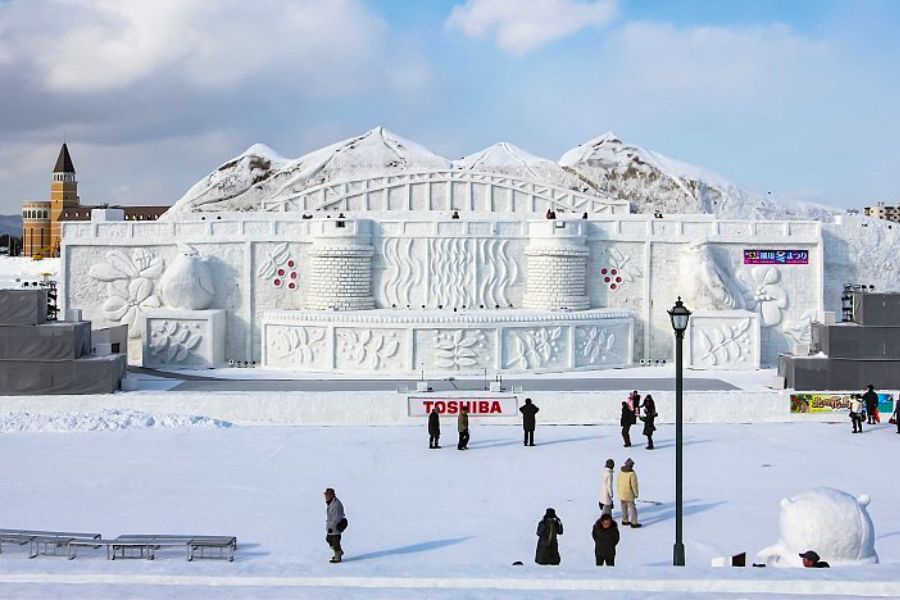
{"x": 653, "y": 182}
{"x": 605, "y": 166}
{"x": 507, "y": 159}
{"x": 104, "y": 420}
{"x": 827, "y": 521}
{"x": 13, "y": 268}
{"x": 261, "y": 174}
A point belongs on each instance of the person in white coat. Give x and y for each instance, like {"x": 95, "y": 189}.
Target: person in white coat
{"x": 606, "y": 490}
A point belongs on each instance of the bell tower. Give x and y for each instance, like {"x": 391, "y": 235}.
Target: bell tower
{"x": 63, "y": 195}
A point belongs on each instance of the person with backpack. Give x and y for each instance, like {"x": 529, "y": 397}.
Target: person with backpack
{"x": 548, "y": 531}
{"x": 335, "y": 524}
{"x": 434, "y": 429}
{"x": 649, "y": 419}
{"x": 606, "y": 538}
{"x": 627, "y": 419}
{"x": 528, "y": 421}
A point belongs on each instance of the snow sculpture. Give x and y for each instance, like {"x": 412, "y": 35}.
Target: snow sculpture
{"x": 723, "y": 339}
{"x": 557, "y": 256}
{"x": 188, "y": 283}
{"x": 708, "y": 285}
{"x": 832, "y": 523}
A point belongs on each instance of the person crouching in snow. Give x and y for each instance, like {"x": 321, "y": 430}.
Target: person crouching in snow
{"x": 811, "y": 560}
{"x": 548, "y": 531}
{"x": 606, "y": 537}
{"x": 335, "y": 524}
{"x": 627, "y": 488}
{"x": 606, "y": 490}
{"x": 434, "y": 429}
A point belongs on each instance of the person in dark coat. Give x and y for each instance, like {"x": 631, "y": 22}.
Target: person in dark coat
{"x": 627, "y": 419}
{"x": 871, "y": 400}
{"x": 434, "y": 429}
{"x": 548, "y": 531}
{"x": 606, "y": 537}
{"x": 528, "y": 421}
{"x": 649, "y": 418}
{"x": 335, "y": 523}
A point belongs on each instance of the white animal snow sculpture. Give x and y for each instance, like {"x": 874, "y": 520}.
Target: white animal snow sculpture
{"x": 828, "y": 521}
{"x": 188, "y": 284}
{"x": 705, "y": 283}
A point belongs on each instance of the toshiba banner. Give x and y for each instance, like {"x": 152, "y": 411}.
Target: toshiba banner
{"x": 495, "y": 406}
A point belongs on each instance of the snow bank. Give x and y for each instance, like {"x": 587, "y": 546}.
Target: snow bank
{"x": 103, "y": 420}
{"x": 24, "y": 268}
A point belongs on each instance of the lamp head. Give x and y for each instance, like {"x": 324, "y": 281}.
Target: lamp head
{"x": 679, "y": 316}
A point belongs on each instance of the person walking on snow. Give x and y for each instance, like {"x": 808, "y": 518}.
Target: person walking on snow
{"x": 606, "y": 538}
{"x": 627, "y": 490}
{"x": 548, "y": 531}
{"x": 871, "y": 400}
{"x": 434, "y": 429}
{"x": 649, "y": 418}
{"x": 528, "y": 421}
{"x": 627, "y": 419}
{"x": 856, "y": 415}
{"x": 462, "y": 427}
{"x": 606, "y": 490}
{"x": 335, "y": 524}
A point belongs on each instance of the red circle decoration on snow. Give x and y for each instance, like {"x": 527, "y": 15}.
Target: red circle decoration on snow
{"x": 291, "y": 263}
{"x": 603, "y": 271}
{"x": 281, "y": 272}
{"x": 292, "y": 285}
{"x": 612, "y": 286}
{"x": 618, "y": 280}
{"x": 293, "y": 274}
{"x": 614, "y": 271}
{"x": 606, "y": 280}
{"x": 277, "y": 283}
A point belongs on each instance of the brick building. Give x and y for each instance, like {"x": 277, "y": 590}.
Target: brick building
{"x": 42, "y": 219}
{"x": 883, "y": 211}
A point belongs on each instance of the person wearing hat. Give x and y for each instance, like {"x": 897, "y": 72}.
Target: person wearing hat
{"x": 528, "y": 421}
{"x": 871, "y": 400}
{"x": 811, "y": 560}
{"x": 335, "y": 524}
{"x": 606, "y": 490}
{"x": 627, "y": 488}
{"x": 548, "y": 531}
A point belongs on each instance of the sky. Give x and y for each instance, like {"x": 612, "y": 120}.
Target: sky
{"x": 797, "y": 98}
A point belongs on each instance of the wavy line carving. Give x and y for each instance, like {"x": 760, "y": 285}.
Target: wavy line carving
{"x": 404, "y": 271}
{"x": 452, "y": 283}
{"x": 499, "y": 274}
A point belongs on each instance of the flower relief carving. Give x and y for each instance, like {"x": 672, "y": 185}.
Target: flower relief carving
{"x": 364, "y": 347}
{"x": 299, "y": 344}
{"x": 130, "y": 286}
{"x": 799, "y": 329}
{"x": 459, "y": 348}
{"x": 534, "y": 348}
{"x": 764, "y": 293}
{"x": 724, "y": 343}
{"x": 173, "y": 340}
{"x": 618, "y": 272}
{"x": 594, "y": 344}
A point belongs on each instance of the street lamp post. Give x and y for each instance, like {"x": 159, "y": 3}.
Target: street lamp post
{"x": 679, "y": 316}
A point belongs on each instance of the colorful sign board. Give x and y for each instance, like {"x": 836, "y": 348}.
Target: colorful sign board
{"x": 833, "y": 403}
{"x": 776, "y": 257}
{"x": 480, "y": 406}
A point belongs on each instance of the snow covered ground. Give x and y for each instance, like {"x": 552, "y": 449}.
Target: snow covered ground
{"x": 14, "y": 268}
{"x": 433, "y": 523}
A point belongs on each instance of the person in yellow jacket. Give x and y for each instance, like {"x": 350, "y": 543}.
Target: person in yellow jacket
{"x": 462, "y": 426}
{"x": 627, "y": 487}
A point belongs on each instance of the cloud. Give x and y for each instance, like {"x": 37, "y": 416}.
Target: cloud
{"x": 520, "y": 27}
{"x": 84, "y": 46}
{"x": 715, "y": 65}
